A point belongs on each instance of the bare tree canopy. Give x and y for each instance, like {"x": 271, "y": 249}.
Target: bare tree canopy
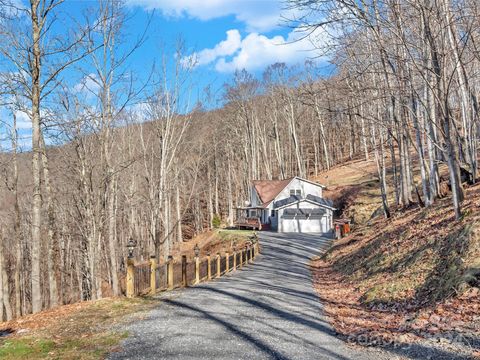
{"x": 152, "y": 161}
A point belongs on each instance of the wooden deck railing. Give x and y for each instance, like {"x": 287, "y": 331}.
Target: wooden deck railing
{"x": 148, "y": 277}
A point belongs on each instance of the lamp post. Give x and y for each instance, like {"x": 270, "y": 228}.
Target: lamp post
{"x": 131, "y": 245}
{"x": 196, "y": 250}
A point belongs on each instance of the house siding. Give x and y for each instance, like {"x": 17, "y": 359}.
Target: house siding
{"x": 277, "y": 223}
{"x": 306, "y": 187}
{"x": 322, "y": 225}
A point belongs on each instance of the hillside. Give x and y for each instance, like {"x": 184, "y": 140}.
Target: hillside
{"x": 410, "y": 281}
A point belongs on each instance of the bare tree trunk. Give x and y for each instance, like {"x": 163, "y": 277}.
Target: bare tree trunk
{"x": 179, "y": 213}
{"x": 112, "y": 239}
{"x": 17, "y": 219}
{"x": 5, "y": 286}
{"x": 229, "y": 194}
{"x": 52, "y": 257}
{"x": 36, "y": 160}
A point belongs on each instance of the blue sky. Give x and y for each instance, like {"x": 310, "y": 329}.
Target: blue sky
{"x": 220, "y": 36}
{"x": 224, "y": 35}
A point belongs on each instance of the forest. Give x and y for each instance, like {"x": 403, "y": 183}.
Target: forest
{"x": 128, "y": 159}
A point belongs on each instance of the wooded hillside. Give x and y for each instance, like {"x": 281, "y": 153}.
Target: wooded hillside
{"x": 405, "y": 83}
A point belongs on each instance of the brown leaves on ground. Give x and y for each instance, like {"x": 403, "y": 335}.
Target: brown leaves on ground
{"x": 403, "y": 280}
{"x": 84, "y": 330}
{"x": 84, "y": 314}
{"x": 350, "y": 317}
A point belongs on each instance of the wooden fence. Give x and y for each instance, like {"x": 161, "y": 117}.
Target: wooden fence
{"x": 148, "y": 277}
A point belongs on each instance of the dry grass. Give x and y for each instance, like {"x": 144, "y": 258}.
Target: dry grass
{"x": 354, "y": 188}
{"x": 213, "y": 241}
{"x": 84, "y": 330}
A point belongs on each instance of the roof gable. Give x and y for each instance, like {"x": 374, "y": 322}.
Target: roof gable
{"x": 317, "y": 201}
{"x": 267, "y": 190}
{"x": 310, "y": 182}
{"x": 320, "y": 200}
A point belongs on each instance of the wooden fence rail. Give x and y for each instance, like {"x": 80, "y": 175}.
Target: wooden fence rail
{"x": 147, "y": 277}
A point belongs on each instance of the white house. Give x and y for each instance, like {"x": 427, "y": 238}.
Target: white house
{"x": 291, "y": 205}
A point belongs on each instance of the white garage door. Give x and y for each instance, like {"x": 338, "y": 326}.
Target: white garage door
{"x": 295, "y": 220}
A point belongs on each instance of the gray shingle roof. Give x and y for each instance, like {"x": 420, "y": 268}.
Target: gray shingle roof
{"x": 304, "y": 213}
{"x": 294, "y": 198}
{"x": 320, "y": 200}
{"x": 290, "y": 200}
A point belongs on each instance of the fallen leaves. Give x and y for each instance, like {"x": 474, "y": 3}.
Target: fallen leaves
{"x": 394, "y": 281}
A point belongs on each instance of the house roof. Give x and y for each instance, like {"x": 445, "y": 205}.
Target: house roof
{"x": 310, "y": 198}
{"x": 290, "y": 200}
{"x": 304, "y": 212}
{"x": 268, "y": 190}
{"x": 311, "y": 182}
{"x": 320, "y": 200}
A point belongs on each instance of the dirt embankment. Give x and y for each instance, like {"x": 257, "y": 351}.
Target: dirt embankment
{"x": 412, "y": 280}
{"x": 213, "y": 242}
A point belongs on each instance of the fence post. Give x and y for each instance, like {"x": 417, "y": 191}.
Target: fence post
{"x": 227, "y": 262}
{"x": 241, "y": 258}
{"x": 250, "y": 250}
{"x": 234, "y": 261}
{"x": 153, "y": 274}
{"x": 209, "y": 267}
{"x": 218, "y": 265}
{"x": 130, "y": 278}
{"x": 170, "y": 272}
{"x": 197, "y": 270}
{"x": 184, "y": 271}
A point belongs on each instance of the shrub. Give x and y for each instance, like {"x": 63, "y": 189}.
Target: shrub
{"x": 216, "y": 221}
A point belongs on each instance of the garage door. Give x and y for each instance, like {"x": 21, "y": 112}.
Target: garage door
{"x": 304, "y": 220}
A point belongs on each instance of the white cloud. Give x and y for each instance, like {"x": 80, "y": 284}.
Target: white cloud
{"x": 223, "y": 48}
{"x": 23, "y": 121}
{"x": 257, "y": 51}
{"x": 258, "y": 15}
{"x": 89, "y": 85}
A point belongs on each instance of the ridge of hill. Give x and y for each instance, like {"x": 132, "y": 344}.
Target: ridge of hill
{"x": 409, "y": 281}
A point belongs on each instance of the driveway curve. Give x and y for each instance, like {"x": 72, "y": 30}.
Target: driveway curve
{"x": 267, "y": 310}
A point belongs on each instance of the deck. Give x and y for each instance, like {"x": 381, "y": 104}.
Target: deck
{"x": 248, "y": 223}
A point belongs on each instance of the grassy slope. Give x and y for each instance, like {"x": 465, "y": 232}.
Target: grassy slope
{"x": 214, "y": 241}
{"x": 415, "y": 274}
{"x": 79, "y": 331}
{"x": 354, "y": 188}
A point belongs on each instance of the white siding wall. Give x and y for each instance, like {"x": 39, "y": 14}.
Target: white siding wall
{"x": 293, "y": 225}
{"x": 322, "y": 225}
{"x": 306, "y": 187}
{"x": 254, "y": 200}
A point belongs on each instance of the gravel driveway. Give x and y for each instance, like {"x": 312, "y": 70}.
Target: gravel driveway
{"x": 267, "y": 310}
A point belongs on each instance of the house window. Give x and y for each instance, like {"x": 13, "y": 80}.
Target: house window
{"x": 273, "y": 213}
{"x": 253, "y": 213}
{"x": 295, "y": 192}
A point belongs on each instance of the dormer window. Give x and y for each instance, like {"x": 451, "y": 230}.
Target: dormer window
{"x": 295, "y": 192}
